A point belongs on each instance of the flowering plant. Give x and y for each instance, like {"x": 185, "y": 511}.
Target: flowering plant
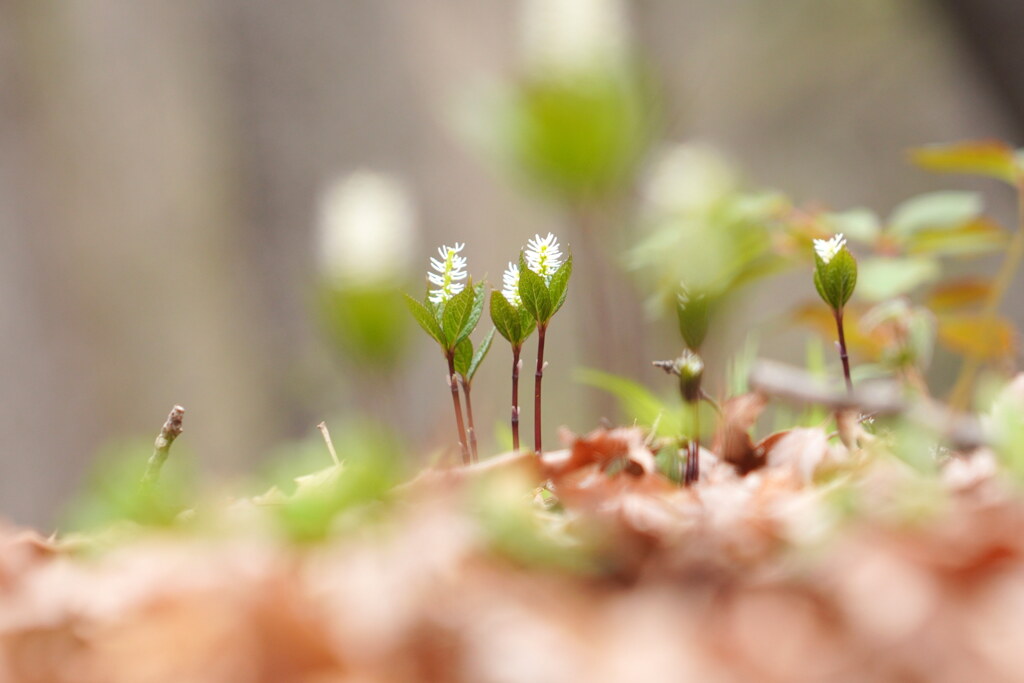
{"x": 835, "y": 277}
{"x": 449, "y": 313}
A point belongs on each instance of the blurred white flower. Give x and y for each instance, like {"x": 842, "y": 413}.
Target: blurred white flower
{"x": 573, "y": 37}
{"x": 450, "y": 270}
{"x": 827, "y": 249}
{"x": 688, "y": 178}
{"x": 543, "y": 255}
{"x": 367, "y": 230}
{"x": 510, "y": 280}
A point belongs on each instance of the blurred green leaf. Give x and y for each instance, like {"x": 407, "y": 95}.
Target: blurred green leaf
{"x": 981, "y": 157}
{"x": 639, "y": 404}
{"x": 579, "y": 137}
{"x": 113, "y": 493}
{"x": 693, "y": 314}
{"x": 934, "y": 211}
{"x": 884, "y": 277}
{"x": 1005, "y": 426}
{"x": 975, "y": 237}
{"x": 860, "y": 225}
{"x": 315, "y": 497}
{"x": 367, "y": 323}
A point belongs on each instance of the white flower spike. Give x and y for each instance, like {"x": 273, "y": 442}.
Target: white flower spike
{"x": 451, "y": 269}
{"x": 543, "y": 256}
{"x": 510, "y": 281}
{"x": 827, "y": 249}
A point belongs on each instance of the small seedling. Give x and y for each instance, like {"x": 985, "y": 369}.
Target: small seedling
{"x": 515, "y": 324}
{"x": 689, "y": 368}
{"x": 449, "y": 313}
{"x": 543, "y": 285}
{"x": 835, "y": 277}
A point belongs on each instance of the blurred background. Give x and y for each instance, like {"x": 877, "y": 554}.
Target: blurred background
{"x": 169, "y": 170}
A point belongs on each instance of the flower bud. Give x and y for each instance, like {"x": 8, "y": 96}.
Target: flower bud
{"x": 835, "y": 271}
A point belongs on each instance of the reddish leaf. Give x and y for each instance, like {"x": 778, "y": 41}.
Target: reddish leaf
{"x": 959, "y": 294}
{"x": 991, "y": 158}
{"x": 602, "y": 447}
{"x": 973, "y": 334}
{"x": 732, "y": 442}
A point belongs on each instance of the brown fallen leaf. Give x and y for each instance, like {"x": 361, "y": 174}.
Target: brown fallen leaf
{"x": 732, "y": 442}
{"x": 800, "y": 451}
{"x": 602, "y": 447}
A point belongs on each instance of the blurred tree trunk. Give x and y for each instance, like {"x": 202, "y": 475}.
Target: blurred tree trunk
{"x": 992, "y": 30}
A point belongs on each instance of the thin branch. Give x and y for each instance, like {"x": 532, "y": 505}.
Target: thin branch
{"x": 162, "y": 447}
{"x": 881, "y": 398}
{"x": 330, "y": 445}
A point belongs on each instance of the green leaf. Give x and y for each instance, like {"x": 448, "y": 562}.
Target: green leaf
{"x": 934, "y": 211}
{"x": 992, "y": 158}
{"x": 478, "y": 357}
{"x": 559, "y": 286}
{"x": 426, "y": 319}
{"x": 639, "y": 405}
{"x": 505, "y": 317}
{"x": 476, "y": 309}
{"x": 884, "y": 278}
{"x": 463, "y": 357}
{"x": 526, "y": 324}
{"x": 836, "y": 280}
{"x": 692, "y": 310}
{"x": 534, "y": 293}
{"x": 455, "y": 315}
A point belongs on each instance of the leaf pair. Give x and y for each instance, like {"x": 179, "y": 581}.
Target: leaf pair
{"x": 467, "y": 361}
{"x": 514, "y": 324}
{"x": 541, "y": 298}
{"x": 450, "y": 323}
{"x": 836, "y": 280}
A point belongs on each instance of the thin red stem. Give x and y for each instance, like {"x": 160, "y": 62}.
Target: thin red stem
{"x": 453, "y": 383}
{"x": 470, "y": 430}
{"x": 539, "y": 377}
{"x": 842, "y": 350}
{"x": 515, "y": 396}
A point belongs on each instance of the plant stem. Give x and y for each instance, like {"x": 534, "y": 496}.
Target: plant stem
{"x": 843, "y": 356}
{"x": 960, "y": 396}
{"x": 162, "y": 447}
{"x": 453, "y": 383}
{"x": 693, "y": 450}
{"x": 471, "y": 430}
{"x": 516, "y": 348}
{"x": 539, "y": 377}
